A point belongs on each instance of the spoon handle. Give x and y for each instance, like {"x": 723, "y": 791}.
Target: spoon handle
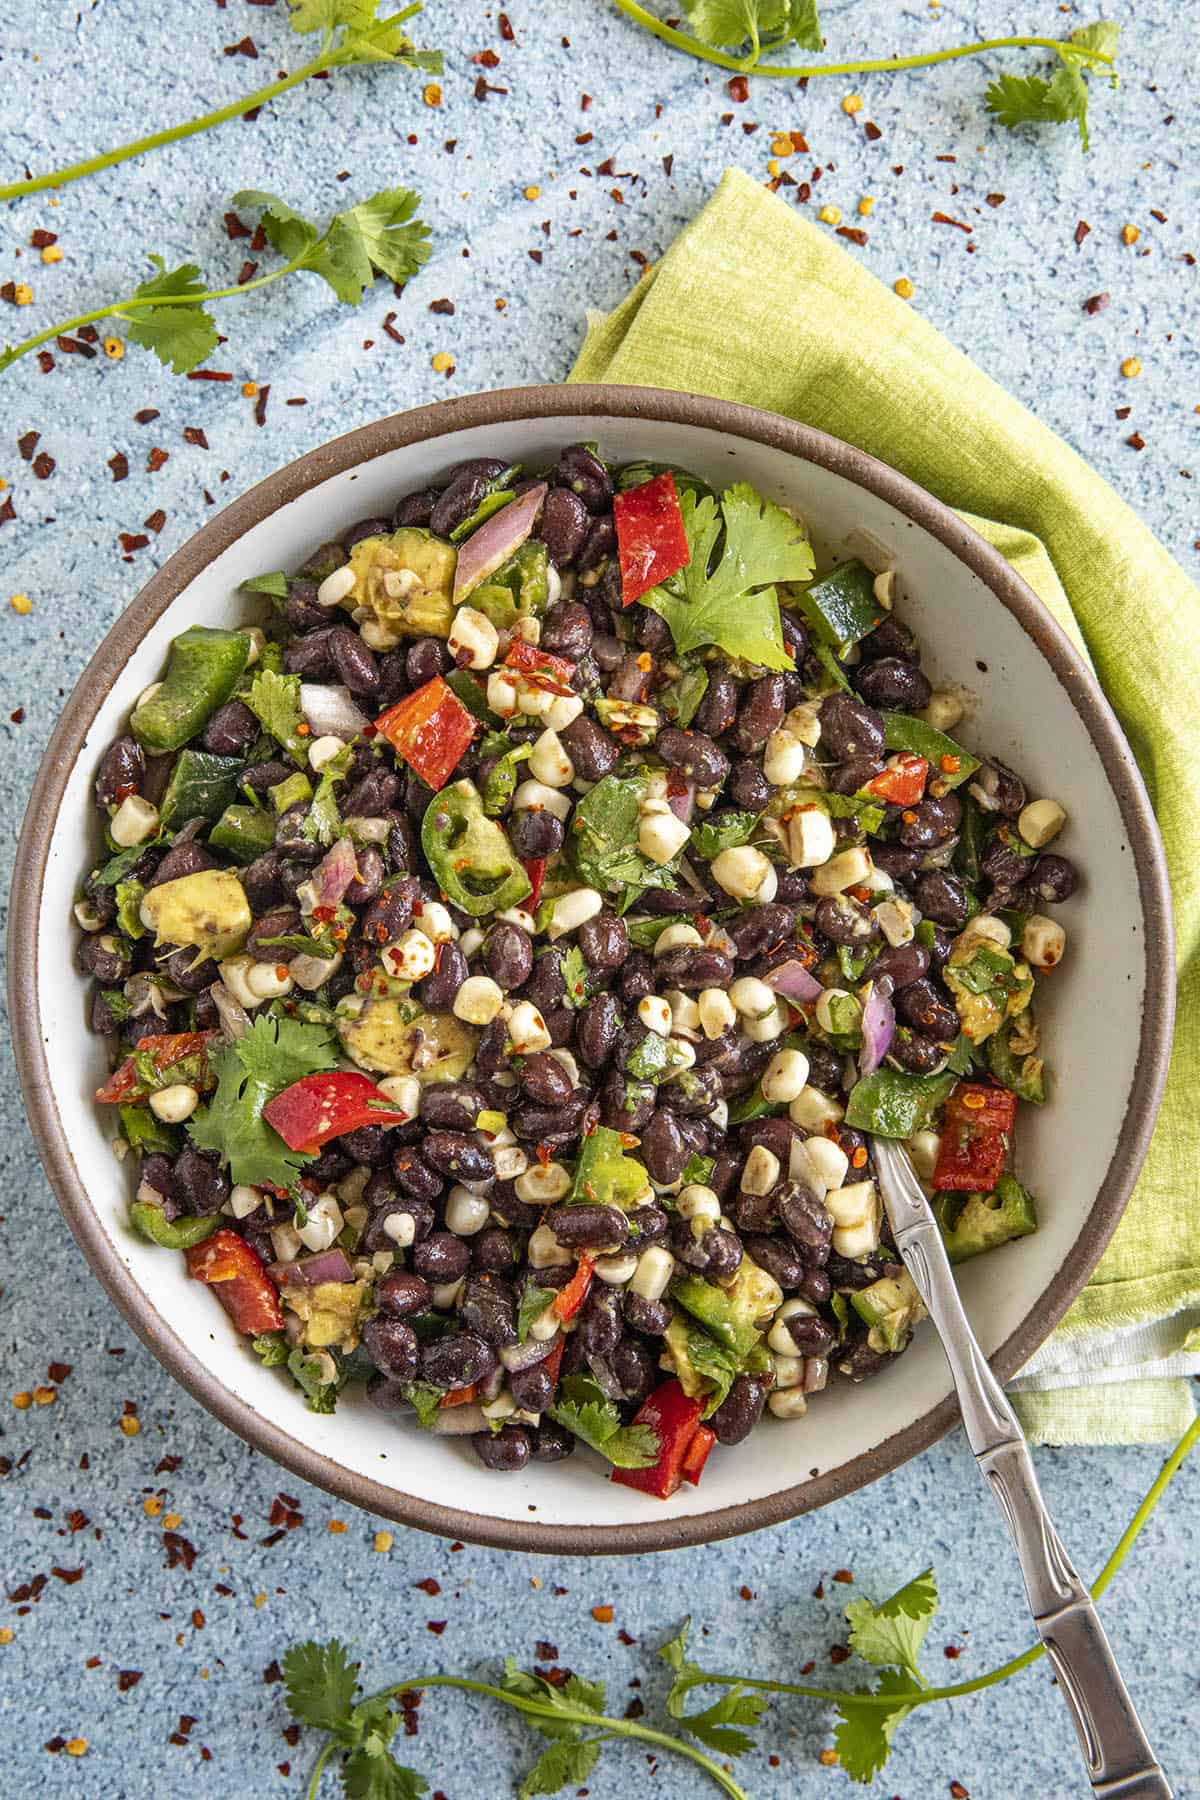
{"x": 1120, "y": 1762}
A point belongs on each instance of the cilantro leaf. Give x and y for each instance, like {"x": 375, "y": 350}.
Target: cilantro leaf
{"x": 731, "y": 23}
{"x": 733, "y": 829}
{"x": 274, "y": 1053}
{"x": 378, "y": 236}
{"x": 719, "y": 1726}
{"x": 374, "y": 1774}
{"x": 864, "y": 1733}
{"x": 395, "y": 242}
{"x": 534, "y": 1687}
{"x": 327, "y": 15}
{"x": 275, "y": 702}
{"x": 735, "y": 606}
{"x": 565, "y": 1763}
{"x": 321, "y": 1684}
{"x": 1031, "y": 100}
{"x": 583, "y": 1409}
{"x": 604, "y": 837}
{"x": 426, "y": 1402}
{"x": 1103, "y": 37}
{"x": 575, "y": 975}
{"x": 534, "y": 1302}
{"x": 179, "y": 335}
{"x": 271, "y": 1347}
{"x": 891, "y": 1635}
{"x": 324, "y": 820}
{"x": 804, "y": 25}
{"x": 687, "y": 1673}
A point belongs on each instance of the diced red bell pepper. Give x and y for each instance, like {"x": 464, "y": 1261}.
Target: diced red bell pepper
{"x": 235, "y": 1271}
{"x": 319, "y": 1107}
{"x": 535, "y": 868}
{"x": 539, "y": 668}
{"x": 459, "y": 1396}
{"x": 430, "y": 728}
{"x": 553, "y": 1363}
{"x": 572, "y": 1297}
{"x": 168, "y": 1049}
{"x": 901, "y": 780}
{"x": 651, "y": 539}
{"x": 675, "y": 1418}
{"x": 975, "y": 1138}
{"x": 697, "y": 1453}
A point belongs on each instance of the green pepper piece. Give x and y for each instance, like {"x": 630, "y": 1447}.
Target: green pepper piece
{"x": 292, "y": 792}
{"x": 471, "y": 858}
{"x": 681, "y": 698}
{"x": 841, "y": 607}
{"x": 172, "y": 1234}
{"x": 521, "y": 587}
{"x": 501, "y": 783}
{"x": 147, "y": 1133}
{"x": 129, "y": 902}
{"x": 496, "y": 494}
{"x": 973, "y": 1223}
{"x": 203, "y": 669}
{"x": 968, "y": 856}
{"x": 893, "y": 1104}
{"x": 1022, "y": 1075}
{"x": 902, "y": 731}
{"x": 465, "y": 687}
{"x": 201, "y": 787}
{"x": 243, "y": 832}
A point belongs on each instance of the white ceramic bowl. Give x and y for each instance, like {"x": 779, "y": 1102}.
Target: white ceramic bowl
{"x": 1106, "y": 1013}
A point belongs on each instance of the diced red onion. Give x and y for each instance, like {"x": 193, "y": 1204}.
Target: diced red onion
{"x": 816, "y": 1374}
{"x": 334, "y": 873}
{"x": 516, "y": 1357}
{"x": 683, "y": 802}
{"x": 794, "y": 982}
{"x": 495, "y": 541}
{"x": 460, "y": 1421}
{"x": 331, "y": 711}
{"x": 311, "y": 1271}
{"x": 878, "y": 1024}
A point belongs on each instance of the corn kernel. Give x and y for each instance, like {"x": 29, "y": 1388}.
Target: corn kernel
{"x": 830, "y": 215}
{"x": 904, "y": 288}
{"x": 129, "y": 1425}
{"x": 866, "y": 205}
{"x": 1131, "y": 367}
{"x": 432, "y": 94}
{"x": 21, "y": 603}
{"x": 52, "y": 254}
{"x": 114, "y": 348}
{"x": 442, "y": 363}
{"x": 1129, "y": 234}
{"x": 852, "y": 104}
{"x": 383, "y": 1542}
{"x": 23, "y": 294}
{"x": 533, "y": 193}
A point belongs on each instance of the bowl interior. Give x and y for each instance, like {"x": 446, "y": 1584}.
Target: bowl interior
{"x": 1019, "y": 708}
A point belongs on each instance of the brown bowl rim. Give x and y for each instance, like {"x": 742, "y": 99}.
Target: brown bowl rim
{"x": 669, "y": 408}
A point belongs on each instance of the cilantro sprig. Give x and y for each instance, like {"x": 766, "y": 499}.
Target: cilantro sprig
{"x": 168, "y": 312}
{"x": 269, "y": 1057}
{"x": 741, "y": 35}
{"x": 351, "y": 36}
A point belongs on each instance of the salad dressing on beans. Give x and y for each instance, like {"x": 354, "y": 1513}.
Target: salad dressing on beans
{"x": 507, "y": 947}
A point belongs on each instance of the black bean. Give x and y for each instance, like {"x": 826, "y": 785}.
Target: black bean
{"x": 260, "y": 881}
{"x": 392, "y": 1347}
{"x": 653, "y": 633}
{"x": 600, "y": 1321}
{"x": 998, "y": 789}
{"x": 231, "y": 731}
{"x": 354, "y": 664}
{"x": 425, "y": 659}
{"x": 775, "y": 1135}
{"x": 310, "y": 656}
{"x": 806, "y": 1221}
{"x": 891, "y": 638}
{"x": 844, "y": 920}
{"x": 182, "y": 859}
{"x": 377, "y": 793}
{"x": 532, "y": 1388}
{"x": 630, "y": 680}
{"x": 896, "y": 860}
{"x": 900, "y": 964}
{"x": 942, "y": 898}
{"x": 673, "y": 901}
{"x": 778, "y": 1257}
{"x": 740, "y": 1411}
{"x": 545, "y": 1080}
{"x": 455, "y": 504}
{"x": 1003, "y": 862}
{"x": 592, "y": 750}
{"x": 748, "y": 787}
{"x": 330, "y": 1165}
{"x": 415, "y": 1176}
{"x": 584, "y": 474}
{"x": 503, "y": 1451}
{"x": 635, "y": 1367}
{"x": 535, "y": 832}
{"x": 436, "y": 992}
{"x": 588, "y": 1227}
{"x": 121, "y": 770}
{"x": 365, "y": 528}
{"x": 567, "y": 629}
{"x": 201, "y": 1184}
{"x": 930, "y": 823}
{"x": 551, "y": 1442}
{"x": 563, "y": 527}
{"x": 648, "y": 1224}
{"x": 626, "y": 1105}
{"x": 388, "y": 1395}
{"x": 853, "y": 774}
{"x": 663, "y": 1149}
{"x": 324, "y": 560}
{"x": 601, "y": 543}
{"x": 913, "y": 1051}
{"x": 718, "y": 708}
{"x": 810, "y": 1334}
{"x": 762, "y": 928}
{"x": 442, "y": 1257}
{"x": 692, "y": 967}
{"x": 850, "y": 729}
{"x": 370, "y": 1146}
{"x": 455, "y": 1154}
{"x": 451, "y": 1105}
{"x": 760, "y": 713}
{"x": 604, "y": 941}
{"x": 555, "y": 1126}
{"x": 487, "y": 1308}
{"x": 300, "y": 609}
{"x": 495, "y": 1250}
{"x": 457, "y": 1361}
{"x": 104, "y": 956}
{"x": 1054, "y": 879}
{"x": 651, "y": 1317}
{"x": 101, "y": 1017}
{"x": 369, "y": 880}
{"x": 717, "y": 1253}
{"x": 279, "y": 922}
{"x": 389, "y": 917}
{"x": 891, "y": 682}
{"x": 694, "y": 754}
{"x": 508, "y": 955}
{"x": 415, "y": 509}
{"x": 400, "y": 1293}
{"x": 922, "y": 1005}
{"x": 265, "y": 775}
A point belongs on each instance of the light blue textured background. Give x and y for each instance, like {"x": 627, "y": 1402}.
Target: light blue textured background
{"x": 76, "y": 79}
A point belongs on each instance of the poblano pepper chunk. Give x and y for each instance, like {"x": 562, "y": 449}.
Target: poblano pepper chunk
{"x": 203, "y": 669}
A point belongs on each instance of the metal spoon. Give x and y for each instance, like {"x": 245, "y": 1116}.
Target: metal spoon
{"x": 1120, "y": 1762}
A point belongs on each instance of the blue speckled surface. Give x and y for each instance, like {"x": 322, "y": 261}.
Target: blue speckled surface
{"x": 79, "y": 78}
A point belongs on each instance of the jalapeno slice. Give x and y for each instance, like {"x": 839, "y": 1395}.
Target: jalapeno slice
{"x": 475, "y": 865}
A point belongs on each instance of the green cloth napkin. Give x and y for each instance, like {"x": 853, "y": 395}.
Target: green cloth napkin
{"x": 752, "y": 303}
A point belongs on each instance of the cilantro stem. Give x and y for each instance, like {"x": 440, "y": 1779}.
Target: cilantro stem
{"x": 749, "y": 65}
{"x": 1124, "y": 1545}
{"x": 327, "y": 57}
{"x": 120, "y": 309}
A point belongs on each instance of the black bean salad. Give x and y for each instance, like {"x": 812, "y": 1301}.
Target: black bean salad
{"x": 507, "y": 950}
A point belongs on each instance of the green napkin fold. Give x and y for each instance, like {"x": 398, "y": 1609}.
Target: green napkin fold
{"x": 804, "y": 330}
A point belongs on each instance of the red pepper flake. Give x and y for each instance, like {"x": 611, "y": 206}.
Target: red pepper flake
{"x": 871, "y": 131}
{"x": 1082, "y": 230}
{"x": 1136, "y": 442}
{"x": 1160, "y": 216}
{"x": 746, "y": 1593}
{"x": 156, "y": 521}
{"x": 437, "y": 1626}
{"x": 299, "y": 400}
{"x": 1097, "y": 304}
{"x": 245, "y": 47}
{"x": 958, "y": 1791}
{"x": 67, "y": 1576}
{"x": 72, "y": 347}
{"x": 194, "y": 434}
{"x": 179, "y": 1550}
{"x": 853, "y": 232}
{"x": 506, "y": 30}
{"x": 43, "y": 466}
{"x": 536, "y": 255}
{"x": 55, "y": 1744}
{"x": 127, "y": 1678}
{"x": 197, "y": 1618}
{"x": 941, "y": 218}
{"x": 995, "y": 199}
{"x": 209, "y": 374}
{"x": 844, "y": 1576}
{"x": 487, "y": 59}
{"x": 167, "y": 1465}
{"x": 156, "y": 459}
{"x": 247, "y": 272}
{"x": 443, "y": 306}
{"x": 41, "y": 239}
{"x": 1123, "y": 412}
{"x": 234, "y": 227}
{"x": 839, "y": 1653}
{"x": 431, "y": 1587}
{"x": 483, "y": 88}
{"x": 119, "y": 464}
{"x": 260, "y": 403}
{"x": 257, "y": 242}
{"x": 58, "y": 1371}
{"x": 738, "y": 89}
{"x": 27, "y": 443}
{"x": 132, "y": 540}
{"x": 952, "y": 1652}
{"x": 389, "y": 326}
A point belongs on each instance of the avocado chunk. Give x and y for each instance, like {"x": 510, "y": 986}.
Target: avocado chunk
{"x": 201, "y": 787}
{"x": 731, "y": 1314}
{"x": 398, "y": 1037}
{"x": 209, "y": 910}
{"x": 973, "y": 1223}
{"x": 330, "y": 1312}
{"x": 384, "y": 572}
{"x": 203, "y": 668}
{"x": 891, "y": 1307}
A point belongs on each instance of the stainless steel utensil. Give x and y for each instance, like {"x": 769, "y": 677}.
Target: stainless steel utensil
{"x": 1120, "y": 1762}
